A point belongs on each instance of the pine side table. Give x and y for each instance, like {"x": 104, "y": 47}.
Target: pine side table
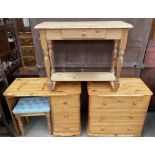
{"x": 92, "y": 30}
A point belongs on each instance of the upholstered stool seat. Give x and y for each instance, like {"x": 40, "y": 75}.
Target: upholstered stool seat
{"x": 32, "y": 106}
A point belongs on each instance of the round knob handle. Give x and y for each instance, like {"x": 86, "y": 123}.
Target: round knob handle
{"x": 129, "y": 128}
{"x": 83, "y": 33}
{"x": 97, "y": 31}
{"x": 102, "y": 117}
{"x": 134, "y": 103}
{"x": 131, "y": 116}
{"x": 104, "y": 103}
{"x": 102, "y": 129}
{"x": 65, "y": 103}
{"x": 66, "y": 127}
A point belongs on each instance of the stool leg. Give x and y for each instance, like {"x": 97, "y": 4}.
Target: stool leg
{"x": 27, "y": 120}
{"x": 49, "y": 122}
{"x": 20, "y": 124}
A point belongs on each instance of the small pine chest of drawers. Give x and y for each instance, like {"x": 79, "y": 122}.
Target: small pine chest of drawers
{"x": 65, "y": 109}
{"x": 120, "y": 113}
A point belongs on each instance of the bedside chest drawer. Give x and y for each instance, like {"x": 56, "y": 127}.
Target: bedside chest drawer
{"x": 66, "y": 127}
{"x": 114, "y": 128}
{"x": 101, "y": 116}
{"x": 66, "y": 102}
{"x": 128, "y": 103}
{"x": 70, "y": 116}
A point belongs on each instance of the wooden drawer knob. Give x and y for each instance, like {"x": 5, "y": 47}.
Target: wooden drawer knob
{"x": 131, "y": 117}
{"x": 104, "y": 103}
{"x": 83, "y": 33}
{"x": 129, "y": 128}
{"x": 65, "y": 103}
{"x": 134, "y": 103}
{"x": 66, "y": 127}
{"x": 97, "y": 31}
{"x": 102, "y": 129}
{"x": 102, "y": 117}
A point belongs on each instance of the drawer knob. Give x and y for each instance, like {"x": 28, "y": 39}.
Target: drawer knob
{"x": 83, "y": 33}
{"x": 102, "y": 129}
{"x": 134, "y": 103}
{"x": 104, "y": 103}
{"x": 97, "y": 31}
{"x": 66, "y": 115}
{"x": 65, "y": 103}
{"x": 129, "y": 128}
{"x": 66, "y": 127}
{"x": 102, "y": 117}
{"x": 131, "y": 116}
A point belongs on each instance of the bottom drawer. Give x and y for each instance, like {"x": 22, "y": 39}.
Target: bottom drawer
{"x": 65, "y": 127}
{"x": 115, "y": 128}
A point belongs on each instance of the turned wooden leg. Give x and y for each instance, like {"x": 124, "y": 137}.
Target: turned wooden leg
{"x": 51, "y": 58}
{"x": 122, "y": 46}
{"x": 47, "y": 65}
{"x": 49, "y": 122}
{"x": 119, "y": 68}
{"x": 114, "y": 55}
{"x": 20, "y": 123}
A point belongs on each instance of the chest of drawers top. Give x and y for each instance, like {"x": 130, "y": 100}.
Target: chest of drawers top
{"x": 128, "y": 87}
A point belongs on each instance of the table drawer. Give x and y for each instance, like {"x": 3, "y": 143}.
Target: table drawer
{"x": 119, "y": 103}
{"x": 66, "y": 127}
{"x": 115, "y": 128}
{"x": 96, "y": 116}
{"x": 72, "y": 116}
{"x": 66, "y": 102}
{"x": 84, "y": 34}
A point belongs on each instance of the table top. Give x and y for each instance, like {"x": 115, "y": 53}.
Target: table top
{"x": 38, "y": 87}
{"x": 83, "y": 24}
{"x": 128, "y": 87}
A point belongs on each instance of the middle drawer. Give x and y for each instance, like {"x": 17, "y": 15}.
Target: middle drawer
{"x": 69, "y": 115}
{"x": 99, "y": 116}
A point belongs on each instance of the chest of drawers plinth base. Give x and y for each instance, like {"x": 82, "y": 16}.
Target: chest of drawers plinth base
{"x": 65, "y": 104}
{"x": 120, "y": 113}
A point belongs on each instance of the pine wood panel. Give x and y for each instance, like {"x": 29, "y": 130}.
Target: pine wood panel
{"x": 83, "y": 76}
{"x": 89, "y": 24}
{"x": 38, "y": 87}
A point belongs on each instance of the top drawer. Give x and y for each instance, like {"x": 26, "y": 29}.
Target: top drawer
{"x": 65, "y": 101}
{"x": 119, "y": 103}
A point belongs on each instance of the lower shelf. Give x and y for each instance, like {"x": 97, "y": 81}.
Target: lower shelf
{"x": 83, "y": 76}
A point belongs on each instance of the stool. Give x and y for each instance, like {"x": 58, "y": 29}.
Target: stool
{"x": 32, "y": 106}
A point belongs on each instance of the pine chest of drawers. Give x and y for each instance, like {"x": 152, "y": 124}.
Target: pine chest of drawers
{"x": 65, "y": 104}
{"x": 119, "y": 113}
